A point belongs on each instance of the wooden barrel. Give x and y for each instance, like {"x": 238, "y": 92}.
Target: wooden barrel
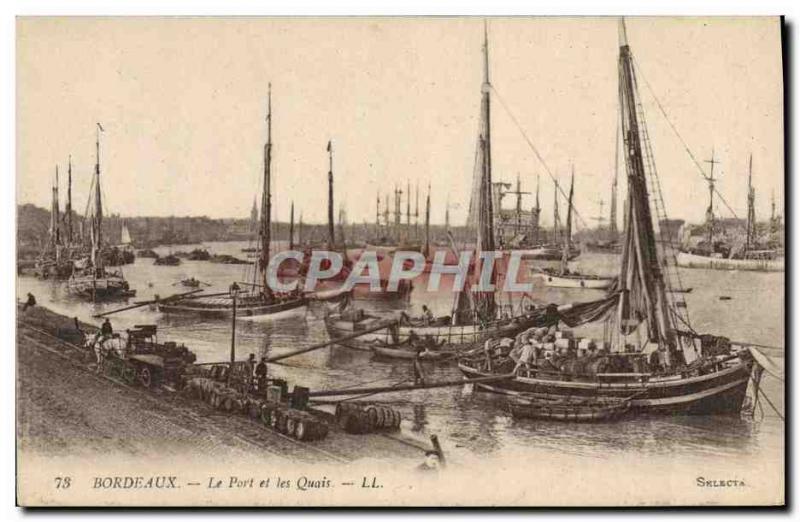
{"x": 373, "y": 417}
{"x": 343, "y": 408}
{"x": 319, "y": 430}
{"x": 291, "y": 424}
{"x": 356, "y": 422}
{"x": 385, "y": 417}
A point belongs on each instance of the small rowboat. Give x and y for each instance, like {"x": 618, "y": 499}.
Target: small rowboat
{"x": 573, "y": 280}
{"x": 568, "y": 409}
{"x": 411, "y": 353}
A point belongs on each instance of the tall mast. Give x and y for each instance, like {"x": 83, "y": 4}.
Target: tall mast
{"x": 291, "y": 227}
{"x": 642, "y": 287}
{"x": 408, "y": 209}
{"x": 519, "y": 205}
{"x": 266, "y": 203}
{"x": 416, "y": 213}
{"x": 710, "y": 210}
{"x": 397, "y": 195}
{"x": 487, "y": 305}
{"x": 568, "y": 234}
{"x": 300, "y": 230}
{"x": 772, "y": 205}
{"x": 486, "y": 212}
{"x": 751, "y": 211}
{"x": 254, "y": 217}
{"x": 55, "y": 214}
{"x": 378, "y": 213}
{"x": 556, "y": 217}
{"x": 386, "y": 215}
{"x": 428, "y": 223}
{"x": 612, "y": 219}
{"x": 69, "y": 201}
{"x": 97, "y": 222}
{"x": 331, "y": 232}
{"x": 447, "y": 215}
{"x": 537, "y": 210}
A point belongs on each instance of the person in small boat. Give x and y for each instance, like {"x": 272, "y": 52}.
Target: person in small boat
{"x": 251, "y": 367}
{"x": 427, "y": 315}
{"x": 419, "y": 374}
{"x": 527, "y": 356}
{"x": 261, "y": 374}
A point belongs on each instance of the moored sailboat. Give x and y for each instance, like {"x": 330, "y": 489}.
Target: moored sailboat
{"x": 748, "y": 256}
{"x": 259, "y": 299}
{"x": 646, "y": 357}
{"x": 91, "y": 279}
{"x": 55, "y": 260}
{"x": 476, "y": 316}
{"x": 563, "y": 277}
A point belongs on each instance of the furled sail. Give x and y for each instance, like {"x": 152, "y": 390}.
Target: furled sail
{"x": 265, "y": 231}
{"x": 641, "y": 282}
{"x": 485, "y": 301}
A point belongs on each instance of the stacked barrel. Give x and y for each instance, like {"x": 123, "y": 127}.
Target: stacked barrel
{"x": 360, "y": 418}
{"x": 297, "y": 424}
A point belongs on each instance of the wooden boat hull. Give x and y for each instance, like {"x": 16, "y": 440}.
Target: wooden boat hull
{"x": 409, "y": 354}
{"x": 576, "y": 281}
{"x": 688, "y": 260}
{"x": 547, "y": 253}
{"x": 568, "y": 411}
{"x": 219, "y": 309}
{"x": 453, "y": 336}
{"x": 720, "y": 392}
{"x": 101, "y": 289}
{"x": 54, "y": 270}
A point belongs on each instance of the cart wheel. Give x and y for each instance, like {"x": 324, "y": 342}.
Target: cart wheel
{"x": 128, "y": 374}
{"x": 145, "y": 377}
{"x": 300, "y": 430}
{"x": 290, "y": 426}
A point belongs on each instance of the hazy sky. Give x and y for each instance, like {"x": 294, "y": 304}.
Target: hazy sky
{"x": 183, "y": 102}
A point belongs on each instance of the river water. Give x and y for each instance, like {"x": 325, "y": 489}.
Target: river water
{"x": 475, "y": 425}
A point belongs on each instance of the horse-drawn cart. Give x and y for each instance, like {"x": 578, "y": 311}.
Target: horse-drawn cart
{"x": 138, "y": 357}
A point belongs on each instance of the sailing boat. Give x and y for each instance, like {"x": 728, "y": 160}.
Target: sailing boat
{"x": 54, "y": 261}
{"x": 747, "y": 256}
{"x": 644, "y": 357}
{"x": 611, "y": 242}
{"x": 476, "y": 316}
{"x": 91, "y": 279}
{"x": 260, "y": 300}
{"x": 554, "y": 250}
{"x": 563, "y": 277}
{"x": 125, "y": 247}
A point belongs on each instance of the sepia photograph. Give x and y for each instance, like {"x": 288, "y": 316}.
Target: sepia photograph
{"x": 468, "y": 261}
